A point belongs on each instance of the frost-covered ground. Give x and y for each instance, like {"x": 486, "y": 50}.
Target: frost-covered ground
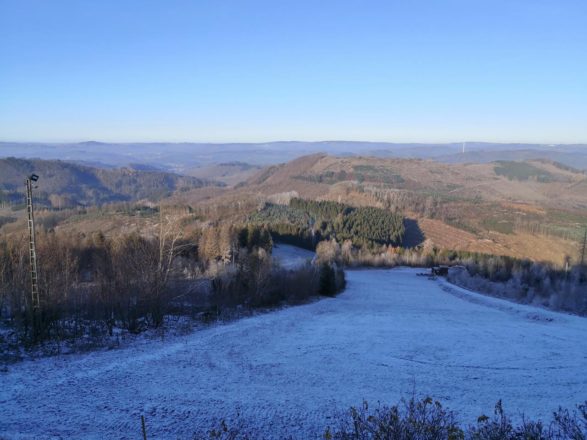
{"x": 291, "y": 257}
{"x": 389, "y": 334}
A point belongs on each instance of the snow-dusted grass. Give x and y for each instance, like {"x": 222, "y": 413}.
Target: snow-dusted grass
{"x": 291, "y": 257}
{"x": 389, "y": 334}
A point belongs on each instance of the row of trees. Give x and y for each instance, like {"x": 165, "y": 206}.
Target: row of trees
{"x": 307, "y": 222}
{"x": 542, "y": 228}
{"x": 65, "y": 184}
{"x": 223, "y": 243}
{"x": 254, "y": 281}
{"x": 526, "y": 281}
{"x": 323, "y": 209}
{"x": 426, "y": 205}
{"x": 370, "y": 226}
{"x": 133, "y": 281}
{"x": 120, "y": 281}
{"x": 359, "y": 173}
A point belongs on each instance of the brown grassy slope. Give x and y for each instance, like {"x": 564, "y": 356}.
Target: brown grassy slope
{"x": 465, "y": 181}
{"x": 283, "y": 178}
{"x": 565, "y": 191}
{"x": 231, "y": 173}
{"x": 519, "y": 245}
{"x": 458, "y": 180}
{"x": 473, "y": 194}
{"x": 111, "y": 224}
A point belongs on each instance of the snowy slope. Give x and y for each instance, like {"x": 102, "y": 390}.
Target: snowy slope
{"x": 291, "y": 257}
{"x": 389, "y": 334}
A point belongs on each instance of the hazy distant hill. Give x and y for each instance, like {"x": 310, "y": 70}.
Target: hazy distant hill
{"x": 573, "y": 159}
{"x": 182, "y": 157}
{"x": 68, "y": 184}
{"x": 230, "y": 173}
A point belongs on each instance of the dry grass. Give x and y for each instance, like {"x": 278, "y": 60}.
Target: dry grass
{"x": 520, "y": 245}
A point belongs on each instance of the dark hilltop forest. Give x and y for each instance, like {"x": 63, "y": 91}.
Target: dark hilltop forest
{"x": 66, "y": 184}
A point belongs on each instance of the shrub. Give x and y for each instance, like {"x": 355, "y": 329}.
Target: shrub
{"x": 410, "y": 420}
{"x": 428, "y": 420}
{"x": 327, "y": 280}
{"x": 565, "y": 425}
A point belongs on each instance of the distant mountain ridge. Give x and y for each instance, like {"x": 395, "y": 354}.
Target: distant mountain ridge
{"x": 179, "y": 157}
{"x": 230, "y": 173}
{"x": 576, "y": 160}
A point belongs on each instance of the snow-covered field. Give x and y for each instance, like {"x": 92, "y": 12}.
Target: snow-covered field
{"x": 291, "y": 257}
{"x": 389, "y": 334}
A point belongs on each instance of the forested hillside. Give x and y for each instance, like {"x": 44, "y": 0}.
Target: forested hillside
{"x": 535, "y": 209}
{"x": 63, "y": 184}
{"x": 306, "y": 222}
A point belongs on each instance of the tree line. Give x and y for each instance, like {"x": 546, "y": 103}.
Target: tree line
{"x": 66, "y": 185}
{"x": 521, "y": 280}
{"x": 307, "y": 222}
{"x": 94, "y": 283}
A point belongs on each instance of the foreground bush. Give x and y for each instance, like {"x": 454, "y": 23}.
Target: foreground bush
{"x": 427, "y": 419}
{"x": 254, "y": 281}
{"x": 93, "y": 284}
{"x": 411, "y": 420}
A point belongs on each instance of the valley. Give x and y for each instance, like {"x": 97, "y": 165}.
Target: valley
{"x": 222, "y": 320}
{"x": 535, "y": 209}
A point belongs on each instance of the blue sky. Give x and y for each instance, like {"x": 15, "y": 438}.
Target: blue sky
{"x": 430, "y": 71}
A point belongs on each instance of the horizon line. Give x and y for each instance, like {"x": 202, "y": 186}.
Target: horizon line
{"x": 92, "y": 141}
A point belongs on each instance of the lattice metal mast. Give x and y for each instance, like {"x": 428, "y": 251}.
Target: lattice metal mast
{"x": 35, "y": 300}
{"x": 583, "y": 250}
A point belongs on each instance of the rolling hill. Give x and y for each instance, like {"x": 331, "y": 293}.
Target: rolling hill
{"x": 534, "y": 209}
{"x": 66, "y": 184}
{"x": 575, "y": 159}
{"x": 182, "y": 157}
{"x": 230, "y": 173}
{"x": 538, "y": 181}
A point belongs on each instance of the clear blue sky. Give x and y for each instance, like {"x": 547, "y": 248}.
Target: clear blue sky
{"x": 220, "y": 70}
